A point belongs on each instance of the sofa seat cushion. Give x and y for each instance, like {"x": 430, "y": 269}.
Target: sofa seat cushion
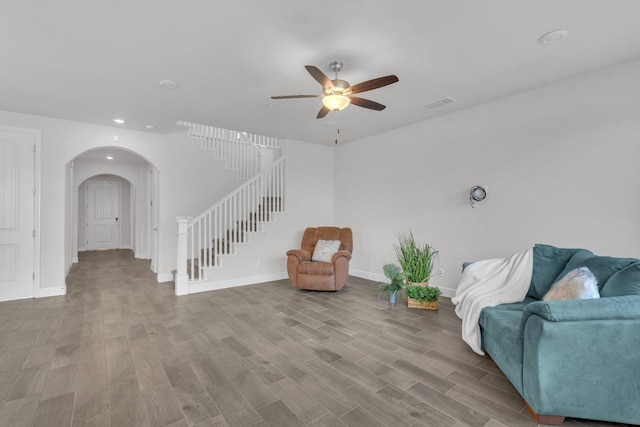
{"x": 501, "y": 339}
{"x": 316, "y": 268}
{"x": 515, "y": 306}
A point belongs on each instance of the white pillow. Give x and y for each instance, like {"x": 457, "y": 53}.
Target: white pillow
{"x": 325, "y": 249}
{"x": 576, "y": 284}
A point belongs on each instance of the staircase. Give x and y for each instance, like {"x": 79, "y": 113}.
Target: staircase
{"x": 241, "y": 151}
{"x": 217, "y": 232}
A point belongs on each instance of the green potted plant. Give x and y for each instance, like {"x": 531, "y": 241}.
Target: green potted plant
{"x": 425, "y": 297}
{"x": 416, "y": 260}
{"x": 396, "y": 281}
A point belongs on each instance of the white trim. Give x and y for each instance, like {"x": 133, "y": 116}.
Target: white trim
{"x": 51, "y": 292}
{"x": 164, "y": 277}
{"x": 367, "y": 275}
{"x": 212, "y": 285}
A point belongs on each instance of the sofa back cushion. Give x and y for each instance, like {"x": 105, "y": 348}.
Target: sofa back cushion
{"x": 624, "y": 282}
{"x": 603, "y": 267}
{"x": 548, "y": 263}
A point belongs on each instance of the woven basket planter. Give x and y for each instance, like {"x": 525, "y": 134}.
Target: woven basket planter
{"x": 425, "y": 284}
{"x": 425, "y": 305}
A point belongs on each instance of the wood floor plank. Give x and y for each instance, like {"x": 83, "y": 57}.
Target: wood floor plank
{"x": 359, "y": 418}
{"x": 253, "y": 389}
{"x": 19, "y": 412}
{"x": 297, "y": 400}
{"x": 60, "y": 381}
{"x": 195, "y": 402}
{"x": 277, "y": 414}
{"x": 447, "y": 405}
{"x": 235, "y": 409}
{"x": 55, "y": 411}
{"x": 162, "y": 405}
{"x": 29, "y": 381}
{"x": 332, "y": 399}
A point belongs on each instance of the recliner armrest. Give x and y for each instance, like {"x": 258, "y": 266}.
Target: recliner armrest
{"x": 301, "y": 254}
{"x": 623, "y": 307}
{"x": 340, "y": 254}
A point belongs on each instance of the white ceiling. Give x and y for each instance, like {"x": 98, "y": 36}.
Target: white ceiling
{"x": 93, "y": 61}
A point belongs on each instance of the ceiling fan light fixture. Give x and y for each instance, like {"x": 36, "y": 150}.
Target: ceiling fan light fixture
{"x": 336, "y": 102}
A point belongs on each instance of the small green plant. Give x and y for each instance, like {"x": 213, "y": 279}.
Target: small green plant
{"x": 423, "y": 293}
{"x": 416, "y": 260}
{"x": 396, "y": 278}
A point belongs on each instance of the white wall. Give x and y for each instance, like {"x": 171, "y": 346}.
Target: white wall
{"x": 189, "y": 181}
{"x": 560, "y": 163}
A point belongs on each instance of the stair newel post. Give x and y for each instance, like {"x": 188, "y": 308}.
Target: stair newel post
{"x": 182, "y": 277}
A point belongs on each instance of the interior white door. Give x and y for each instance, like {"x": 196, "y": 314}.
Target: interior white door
{"x": 103, "y": 215}
{"x": 17, "y": 199}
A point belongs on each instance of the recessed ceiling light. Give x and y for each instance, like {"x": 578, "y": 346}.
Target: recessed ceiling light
{"x": 553, "y": 36}
{"x": 169, "y": 84}
{"x": 109, "y": 157}
{"x": 119, "y": 121}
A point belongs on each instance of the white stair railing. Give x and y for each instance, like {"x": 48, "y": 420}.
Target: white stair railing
{"x": 240, "y": 150}
{"x": 216, "y": 232}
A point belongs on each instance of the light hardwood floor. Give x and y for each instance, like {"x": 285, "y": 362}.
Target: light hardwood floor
{"x": 120, "y": 349}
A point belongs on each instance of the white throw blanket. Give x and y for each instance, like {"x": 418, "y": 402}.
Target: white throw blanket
{"x": 488, "y": 283}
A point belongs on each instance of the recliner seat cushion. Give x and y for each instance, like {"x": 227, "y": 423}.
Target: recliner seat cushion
{"x": 316, "y": 267}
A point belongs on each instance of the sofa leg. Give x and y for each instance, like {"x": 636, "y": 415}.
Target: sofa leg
{"x": 554, "y": 420}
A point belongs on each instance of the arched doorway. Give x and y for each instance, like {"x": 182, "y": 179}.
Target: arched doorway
{"x": 136, "y": 180}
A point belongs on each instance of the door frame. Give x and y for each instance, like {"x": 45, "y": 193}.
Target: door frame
{"x": 37, "y": 174}
{"x": 86, "y": 211}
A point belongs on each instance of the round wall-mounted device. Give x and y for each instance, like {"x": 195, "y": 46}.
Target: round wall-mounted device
{"x": 476, "y": 195}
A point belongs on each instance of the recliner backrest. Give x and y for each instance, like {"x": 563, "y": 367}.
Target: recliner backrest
{"x": 313, "y": 234}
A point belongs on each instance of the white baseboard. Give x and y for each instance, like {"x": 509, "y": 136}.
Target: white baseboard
{"x": 50, "y": 292}
{"x": 446, "y": 292}
{"x": 213, "y": 285}
{"x": 367, "y": 275}
{"x": 164, "y": 277}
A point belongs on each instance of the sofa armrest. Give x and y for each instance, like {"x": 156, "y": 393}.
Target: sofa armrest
{"x": 340, "y": 254}
{"x": 580, "y": 358}
{"x": 301, "y": 254}
{"x": 624, "y": 307}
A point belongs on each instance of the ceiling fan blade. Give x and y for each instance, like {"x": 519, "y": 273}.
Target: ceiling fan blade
{"x": 323, "y": 112}
{"x": 319, "y": 76}
{"x": 372, "y": 84}
{"x": 361, "y": 102}
{"x": 296, "y": 96}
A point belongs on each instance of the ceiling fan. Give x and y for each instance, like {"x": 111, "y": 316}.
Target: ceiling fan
{"x": 337, "y": 94}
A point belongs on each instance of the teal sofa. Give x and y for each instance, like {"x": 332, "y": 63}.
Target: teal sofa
{"x": 572, "y": 358}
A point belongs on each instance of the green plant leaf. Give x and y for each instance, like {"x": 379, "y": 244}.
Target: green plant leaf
{"x": 423, "y": 293}
{"x": 415, "y": 260}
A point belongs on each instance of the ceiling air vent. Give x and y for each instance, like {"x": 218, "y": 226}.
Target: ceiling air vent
{"x": 439, "y": 103}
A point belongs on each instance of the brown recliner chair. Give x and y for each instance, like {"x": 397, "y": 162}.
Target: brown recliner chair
{"x": 317, "y": 275}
